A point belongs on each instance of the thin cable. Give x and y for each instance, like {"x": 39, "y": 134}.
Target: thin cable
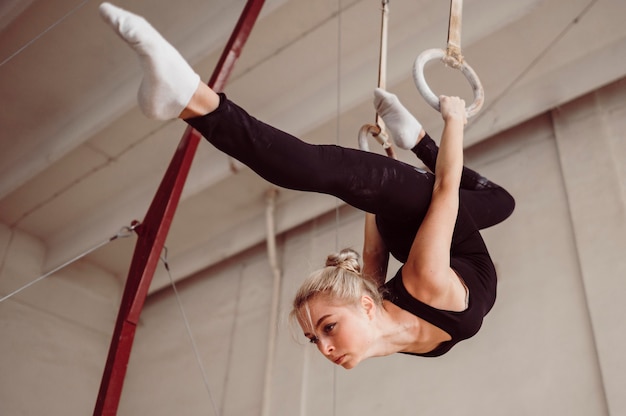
{"x": 338, "y": 107}
{"x": 534, "y": 62}
{"x": 230, "y": 353}
{"x": 36, "y": 38}
{"x": 124, "y": 232}
{"x": 338, "y": 126}
{"x": 189, "y": 333}
{"x": 577, "y": 249}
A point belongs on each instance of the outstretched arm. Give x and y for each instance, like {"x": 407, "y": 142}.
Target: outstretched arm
{"x": 375, "y": 252}
{"x": 427, "y": 274}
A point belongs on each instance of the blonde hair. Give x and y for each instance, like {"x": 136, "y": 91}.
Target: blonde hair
{"x": 340, "y": 280}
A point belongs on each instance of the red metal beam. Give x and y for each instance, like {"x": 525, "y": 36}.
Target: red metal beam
{"x": 153, "y": 231}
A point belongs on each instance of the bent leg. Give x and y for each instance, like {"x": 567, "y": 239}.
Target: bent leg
{"x": 168, "y": 81}
{"x": 485, "y": 201}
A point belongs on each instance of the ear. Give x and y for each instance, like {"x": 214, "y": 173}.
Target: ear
{"x": 368, "y": 305}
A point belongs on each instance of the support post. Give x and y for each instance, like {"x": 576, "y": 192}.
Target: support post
{"x": 153, "y": 231}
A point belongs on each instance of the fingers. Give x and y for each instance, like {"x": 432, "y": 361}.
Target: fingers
{"x": 453, "y": 107}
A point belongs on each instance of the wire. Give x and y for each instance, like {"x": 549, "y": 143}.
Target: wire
{"x": 534, "y": 62}
{"x": 338, "y": 125}
{"x": 48, "y": 29}
{"x": 189, "y": 333}
{"x": 338, "y": 106}
{"x": 124, "y": 232}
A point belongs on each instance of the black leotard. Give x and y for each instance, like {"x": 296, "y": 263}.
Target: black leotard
{"x": 397, "y": 193}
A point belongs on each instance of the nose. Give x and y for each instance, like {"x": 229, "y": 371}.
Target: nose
{"x": 325, "y": 347}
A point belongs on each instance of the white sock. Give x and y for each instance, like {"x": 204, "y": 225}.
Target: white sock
{"x": 168, "y": 82}
{"x": 400, "y": 123}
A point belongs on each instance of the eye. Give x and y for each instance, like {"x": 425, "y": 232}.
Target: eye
{"x": 328, "y": 328}
{"x": 314, "y": 340}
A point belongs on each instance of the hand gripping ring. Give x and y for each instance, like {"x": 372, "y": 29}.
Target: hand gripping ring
{"x": 420, "y": 81}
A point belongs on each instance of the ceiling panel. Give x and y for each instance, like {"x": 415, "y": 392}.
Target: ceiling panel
{"x": 78, "y": 160}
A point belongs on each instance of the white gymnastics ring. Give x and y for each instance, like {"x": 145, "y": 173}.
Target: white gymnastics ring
{"x": 430, "y": 97}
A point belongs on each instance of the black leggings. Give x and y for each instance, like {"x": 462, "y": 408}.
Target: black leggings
{"x": 397, "y": 193}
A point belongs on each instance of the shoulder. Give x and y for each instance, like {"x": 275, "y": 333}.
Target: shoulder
{"x": 446, "y": 291}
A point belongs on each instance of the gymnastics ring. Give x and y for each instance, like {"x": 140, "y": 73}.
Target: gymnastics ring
{"x": 420, "y": 81}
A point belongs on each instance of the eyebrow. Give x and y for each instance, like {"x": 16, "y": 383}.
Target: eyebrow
{"x": 319, "y": 322}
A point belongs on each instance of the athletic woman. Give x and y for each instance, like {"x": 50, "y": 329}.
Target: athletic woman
{"x": 428, "y": 221}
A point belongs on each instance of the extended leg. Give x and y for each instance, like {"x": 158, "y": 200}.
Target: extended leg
{"x": 169, "y": 82}
{"x": 170, "y": 89}
{"x": 367, "y": 181}
{"x": 485, "y": 201}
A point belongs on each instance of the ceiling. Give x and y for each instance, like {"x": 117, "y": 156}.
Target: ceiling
{"x": 78, "y": 160}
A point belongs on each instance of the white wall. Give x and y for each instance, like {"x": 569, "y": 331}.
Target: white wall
{"x": 592, "y": 148}
{"x": 550, "y": 346}
{"x": 54, "y": 335}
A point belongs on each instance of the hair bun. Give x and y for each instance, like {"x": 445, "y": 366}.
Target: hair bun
{"x": 346, "y": 259}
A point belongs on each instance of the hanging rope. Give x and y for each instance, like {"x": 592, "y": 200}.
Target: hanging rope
{"x": 270, "y": 224}
{"x": 451, "y": 57}
{"x": 377, "y": 130}
{"x": 126, "y": 231}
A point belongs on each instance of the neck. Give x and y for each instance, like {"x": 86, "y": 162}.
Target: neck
{"x": 397, "y": 330}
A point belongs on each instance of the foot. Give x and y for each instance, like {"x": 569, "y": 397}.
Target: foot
{"x": 169, "y": 82}
{"x": 405, "y": 130}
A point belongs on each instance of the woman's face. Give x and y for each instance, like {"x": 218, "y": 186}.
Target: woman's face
{"x": 342, "y": 332}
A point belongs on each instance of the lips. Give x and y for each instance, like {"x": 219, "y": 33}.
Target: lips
{"x": 339, "y": 360}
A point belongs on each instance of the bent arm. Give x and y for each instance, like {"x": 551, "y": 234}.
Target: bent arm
{"x": 427, "y": 274}
{"x": 375, "y": 252}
